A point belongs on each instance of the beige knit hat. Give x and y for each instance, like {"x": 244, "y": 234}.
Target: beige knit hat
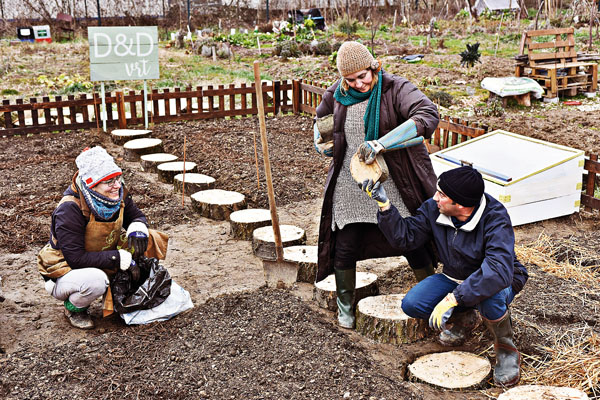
{"x": 353, "y": 57}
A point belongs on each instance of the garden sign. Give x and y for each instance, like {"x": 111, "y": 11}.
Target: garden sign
{"x": 123, "y": 53}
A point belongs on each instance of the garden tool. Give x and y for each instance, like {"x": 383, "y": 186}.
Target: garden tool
{"x": 278, "y": 273}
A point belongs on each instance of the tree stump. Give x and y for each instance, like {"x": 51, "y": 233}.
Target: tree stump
{"x": 381, "y": 319}
{"x": 217, "y": 204}
{"x": 305, "y": 257}
{"x": 138, "y": 147}
{"x": 149, "y": 162}
{"x": 167, "y": 171}
{"x": 539, "y": 392}
{"x": 451, "y": 370}
{"x": 263, "y": 240}
{"x": 121, "y": 136}
{"x": 244, "y": 222}
{"x": 325, "y": 296}
{"x": 194, "y": 182}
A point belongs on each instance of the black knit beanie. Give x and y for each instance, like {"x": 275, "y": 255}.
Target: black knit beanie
{"x": 464, "y": 185}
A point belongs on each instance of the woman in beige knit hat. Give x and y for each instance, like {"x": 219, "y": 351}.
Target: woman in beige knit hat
{"x": 373, "y": 113}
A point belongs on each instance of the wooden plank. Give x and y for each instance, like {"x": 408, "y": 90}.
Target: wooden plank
{"x": 590, "y": 201}
{"x": 211, "y": 100}
{"x": 592, "y": 165}
{"x": 84, "y": 110}
{"x": 522, "y": 45}
{"x": 7, "y": 115}
{"x": 178, "y": 101}
{"x": 548, "y": 32}
{"x": 243, "y": 99}
{"x": 232, "y": 98}
{"x": 550, "y": 56}
{"x": 550, "y": 45}
{"x": 461, "y": 129}
{"x": 167, "y": 103}
{"x": 34, "y": 113}
{"x": 276, "y": 97}
{"x": 21, "y": 114}
{"x": 221, "y": 98}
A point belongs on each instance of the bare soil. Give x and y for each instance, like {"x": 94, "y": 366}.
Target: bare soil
{"x": 242, "y": 340}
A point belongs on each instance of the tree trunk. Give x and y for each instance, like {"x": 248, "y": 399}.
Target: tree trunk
{"x": 244, "y": 222}
{"x": 451, "y": 370}
{"x": 217, "y": 204}
{"x": 193, "y": 182}
{"x": 305, "y": 257}
{"x": 167, "y": 171}
{"x": 135, "y": 148}
{"x": 150, "y": 162}
{"x": 325, "y": 295}
{"x": 263, "y": 240}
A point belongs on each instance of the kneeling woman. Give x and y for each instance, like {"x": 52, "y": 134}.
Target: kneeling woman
{"x": 87, "y": 239}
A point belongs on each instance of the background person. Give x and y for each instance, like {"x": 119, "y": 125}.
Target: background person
{"x": 366, "y": 104}
{"x": 475, "y": 241}
{"x": 87, "y": 244}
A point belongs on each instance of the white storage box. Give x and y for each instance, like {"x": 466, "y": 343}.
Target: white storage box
{"x": 534, "y": 179}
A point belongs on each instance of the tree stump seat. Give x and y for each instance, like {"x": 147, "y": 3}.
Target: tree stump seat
{"x": 150, "y": 162}
{"x": 168, "y": 170}
{"x": 217, "y": 204}
{"x": 451, "y": 370}
{"x": 244, "y": 222}
{"x": 194, "y": 182}
{"x": 305, "y": 257}
{"x": 134, "y": 149}
{"x": 263, "y": 240}
{"x": 325, "y": 295}
{"x": 121, "y": 136}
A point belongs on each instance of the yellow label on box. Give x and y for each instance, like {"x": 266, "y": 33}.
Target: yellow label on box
{"x": 577, "y": 203}
{"x": 581, "y": 162}
{"x": 504, "y": 198}
{"x": 579, "y": 186}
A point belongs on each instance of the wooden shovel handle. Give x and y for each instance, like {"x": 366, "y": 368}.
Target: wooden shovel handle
{"x": 265, "y": 148}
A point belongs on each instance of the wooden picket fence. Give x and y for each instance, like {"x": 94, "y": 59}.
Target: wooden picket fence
{"x": 297, "y": 96}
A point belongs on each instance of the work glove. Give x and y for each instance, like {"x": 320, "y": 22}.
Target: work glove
{"x": 134, "y": 271}
{"x": 367, "y": 151}
{"x": 125, "y": 259}
{"x": 137, "y": 238}
{"x": 443, "y": 311}
{"x": 323, "y": 148}
{"x": 139, "y": 242}
{"x": 375, "y": 191}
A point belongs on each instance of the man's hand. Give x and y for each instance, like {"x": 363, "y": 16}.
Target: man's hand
{"x": 367, "y": 151}
{"x": 324, "y": 148}
{"x": 376, "y": 192}
{"x": 442, "y": 312}
{"x": 139, "y": 242}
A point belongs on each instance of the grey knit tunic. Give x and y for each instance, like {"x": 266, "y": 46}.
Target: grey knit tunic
{"x": 350, "y": 203}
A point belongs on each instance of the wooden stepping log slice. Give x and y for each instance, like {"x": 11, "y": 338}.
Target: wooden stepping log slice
{"x": 216, "y": 203}
{"x": 451, "y": 370}
{"x": 168, "y": 170}
{"x": 377, "y": 171}
{"x": 121, "y": 136}
{"x": 138, "y": 147}
{"x": 151, "y": 161}
{"x": 325, "y": 296}
{"x": 306, "y": 259}
{"x": 381, "y": 319}
{"x": 263, "y": 240}
{"x": 194, "y": 182}
{"x": 539, "y": 392}
{"x": 244, "y": 222}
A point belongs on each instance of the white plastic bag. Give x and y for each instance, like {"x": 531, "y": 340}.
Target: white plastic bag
{"x": 178, "y": 301}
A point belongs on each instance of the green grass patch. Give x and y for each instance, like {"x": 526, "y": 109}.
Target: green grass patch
{"x": 9, "y": 92}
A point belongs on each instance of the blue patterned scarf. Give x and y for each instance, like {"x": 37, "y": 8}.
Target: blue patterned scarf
{"x": 101, "y": 206}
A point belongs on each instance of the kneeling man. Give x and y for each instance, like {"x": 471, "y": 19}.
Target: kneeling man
{"x": 475, "y": 242}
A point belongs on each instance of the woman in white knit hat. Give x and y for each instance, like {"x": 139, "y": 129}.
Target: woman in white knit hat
{"x": 373, "y": 113}
{"x": 87, "y": 244}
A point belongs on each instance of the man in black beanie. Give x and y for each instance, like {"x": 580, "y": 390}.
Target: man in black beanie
{"x": 475, "y": 242}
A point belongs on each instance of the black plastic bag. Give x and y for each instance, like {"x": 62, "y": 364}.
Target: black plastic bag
{"x": 150, "y": 290}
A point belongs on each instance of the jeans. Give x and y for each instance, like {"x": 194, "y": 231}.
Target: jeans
{"x": 420, "y": 301}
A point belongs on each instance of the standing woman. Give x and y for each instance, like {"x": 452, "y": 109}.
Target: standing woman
{"x": 366, "y": 104}
{"x": 95, "y": 230}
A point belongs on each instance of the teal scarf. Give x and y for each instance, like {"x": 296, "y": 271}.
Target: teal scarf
{"x": 371, "y": 118}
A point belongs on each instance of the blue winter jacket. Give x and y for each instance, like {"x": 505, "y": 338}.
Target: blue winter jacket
{"x": 480, "y": 253}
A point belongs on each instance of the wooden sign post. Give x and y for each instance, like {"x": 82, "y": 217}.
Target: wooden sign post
{"x": 123, "y": 53}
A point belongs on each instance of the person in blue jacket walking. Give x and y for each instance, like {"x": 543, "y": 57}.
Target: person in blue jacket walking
{"x": 475, "y": 241}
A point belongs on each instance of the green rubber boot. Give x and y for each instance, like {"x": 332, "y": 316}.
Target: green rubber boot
{"x": 345, "y": 284}
{"x": 507, "y": 371}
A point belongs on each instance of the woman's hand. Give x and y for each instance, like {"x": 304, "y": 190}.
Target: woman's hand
{"x": 324, "y": 148}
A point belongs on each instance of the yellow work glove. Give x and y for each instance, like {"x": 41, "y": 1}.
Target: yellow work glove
{"x": 443, "y": 311}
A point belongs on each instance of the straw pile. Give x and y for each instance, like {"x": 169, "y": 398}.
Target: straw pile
{"x": 573, "y": 361}
{"x": 564, "y": 258}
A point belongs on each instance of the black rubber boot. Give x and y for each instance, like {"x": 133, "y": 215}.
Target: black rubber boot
{"x": 422, "y": 273}
{"x": 345, "y": 284}
{"x": 462, "y": 324}
{"x": 507, "y": 371}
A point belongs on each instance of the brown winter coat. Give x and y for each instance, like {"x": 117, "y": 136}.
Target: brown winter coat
{"x": 410, "y": 168}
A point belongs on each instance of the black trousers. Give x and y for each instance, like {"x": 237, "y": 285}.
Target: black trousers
{"x": 351, "y": 246}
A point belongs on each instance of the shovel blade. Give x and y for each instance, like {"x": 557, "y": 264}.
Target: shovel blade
{"x": 280, "y": 274}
